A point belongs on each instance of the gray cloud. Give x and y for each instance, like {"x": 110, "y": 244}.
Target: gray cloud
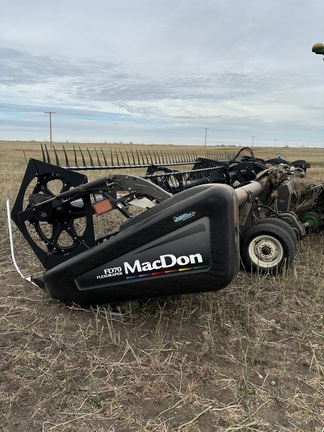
{"x": 219, "y": 86}
{"x": 18, "y": 67}
{"x": 243, "y": 67}
{"x": 82, "y": 82}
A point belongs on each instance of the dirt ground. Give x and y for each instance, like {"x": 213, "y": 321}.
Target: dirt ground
{"x": 247, "y": 358}
{"x": 250, "y": 357}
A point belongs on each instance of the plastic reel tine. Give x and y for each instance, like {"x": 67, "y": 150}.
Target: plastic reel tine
{"x": 128, "y": 158}
{"x": 133, "y": 157}
{"x": 98, "y": 160}
{"x": 159, "y": 160}
{"x": 140, "y": 158}
{"x": 82, "y": 156}
{"x": 104, "y": 158}
{"x": 142, "y": 155}
{"x": 117, "y": 159}
{"x": 111, "y": 158}
{"x": 75, "y": 158}
{"x": 147, "y": 157}
{"x": 43, "y": 153}
{"x": 66, "y": 157}
{"x": 56, "y": 157}
{"x": 48, "y": 159}
{"x": 150, "y": 160}
{"x": 137, "y": 157}
{"x": 154, "y": 158}
{"x": 90, "y": 157}
{"x": 122, "y": 158}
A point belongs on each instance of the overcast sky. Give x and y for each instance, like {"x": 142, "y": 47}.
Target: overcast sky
{"x": 162, "y": 71}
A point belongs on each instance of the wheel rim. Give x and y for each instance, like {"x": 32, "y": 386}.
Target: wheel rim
{"x": 266, "y": 251}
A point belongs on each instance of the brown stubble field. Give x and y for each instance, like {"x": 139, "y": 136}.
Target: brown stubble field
{"x": 247, "y": 358}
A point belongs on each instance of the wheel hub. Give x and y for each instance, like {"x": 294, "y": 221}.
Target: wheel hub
{"x": 266, "y": 251}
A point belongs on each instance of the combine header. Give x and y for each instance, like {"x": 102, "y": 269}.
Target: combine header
{"x": 165, "y": 231}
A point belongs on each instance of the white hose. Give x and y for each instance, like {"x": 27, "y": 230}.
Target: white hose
{"x": 27, "y": 278}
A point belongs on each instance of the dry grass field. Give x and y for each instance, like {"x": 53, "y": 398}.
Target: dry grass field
{"x": 247, "y": 358}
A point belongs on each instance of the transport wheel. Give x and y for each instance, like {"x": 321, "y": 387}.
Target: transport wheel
{"x": 267, "y": 248}
{"x": 283, "y": 224}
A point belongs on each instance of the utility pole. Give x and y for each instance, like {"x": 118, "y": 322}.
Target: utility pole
{"x": 206, "y": 129}
{"x": 252, "y": 140}
{"x": 50, "y": 121}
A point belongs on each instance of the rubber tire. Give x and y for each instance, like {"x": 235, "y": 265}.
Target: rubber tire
{"x": 283, "y": 224}
{"x": 276, "y": 241}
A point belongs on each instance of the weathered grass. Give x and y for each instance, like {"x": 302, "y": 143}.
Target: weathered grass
{"x": 248, "y": 358}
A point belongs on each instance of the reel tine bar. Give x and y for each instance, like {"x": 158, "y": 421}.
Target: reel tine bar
{"x": 116, "y": 158}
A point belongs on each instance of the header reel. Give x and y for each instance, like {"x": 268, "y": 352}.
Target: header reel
{"x": 54, "y": 208}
